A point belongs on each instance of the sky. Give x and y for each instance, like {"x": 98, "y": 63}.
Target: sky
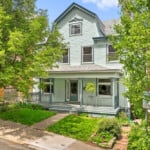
{"x": 105, "y": 9}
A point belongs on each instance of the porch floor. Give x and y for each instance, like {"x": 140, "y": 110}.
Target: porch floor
{"x": 76, "y": 108}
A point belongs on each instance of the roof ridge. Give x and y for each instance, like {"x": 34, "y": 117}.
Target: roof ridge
{"x": 69, "y": 8}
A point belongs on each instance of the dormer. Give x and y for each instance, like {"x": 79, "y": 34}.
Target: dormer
{"x": 75, "y": 15}
{"x": 75, "y": 26}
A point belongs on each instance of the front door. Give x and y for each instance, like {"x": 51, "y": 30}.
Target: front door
{"x": 74, "y": 90}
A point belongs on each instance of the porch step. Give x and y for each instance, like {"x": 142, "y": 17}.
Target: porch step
{"x": 64, "y": 108}
{"x": 85, "y": 109}
{"x": 102, "y": 111}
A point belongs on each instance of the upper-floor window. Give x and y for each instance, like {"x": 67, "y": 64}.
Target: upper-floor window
{"x": 112, "y": 55}
{"x": 104, "y": 86}
{"x": 75, "y": 29}
{"x": 65, "y": 58}
{"x": 87, "y": 54}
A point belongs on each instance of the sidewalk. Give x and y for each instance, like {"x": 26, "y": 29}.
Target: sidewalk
{"x": 36, "y": 137}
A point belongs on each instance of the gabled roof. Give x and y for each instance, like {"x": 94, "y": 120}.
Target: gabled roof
{"x": 109, "y": 26}
{"x": 75, "y": 5}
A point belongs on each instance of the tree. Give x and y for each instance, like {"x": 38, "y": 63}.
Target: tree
{"x": 133, "y": 47}
{"x": 27, "y": 45}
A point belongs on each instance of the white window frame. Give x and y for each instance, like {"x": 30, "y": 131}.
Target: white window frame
{"x": 50, "y": 83}
{"x": 109, "y": 54}
{"x": 68, "y": 57}
{"x": 75, "y": 24}
{"x": 105, "y": 83}
{"x": 83, "y": 62}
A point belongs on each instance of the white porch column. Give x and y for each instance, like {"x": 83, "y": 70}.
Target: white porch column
{"x": 113, "y": 92}
{"x": 81, "y": 92}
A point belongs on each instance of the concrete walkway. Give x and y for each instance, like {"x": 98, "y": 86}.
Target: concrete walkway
{"x": 36, "y": 137}
{"x": 45, "y": 123}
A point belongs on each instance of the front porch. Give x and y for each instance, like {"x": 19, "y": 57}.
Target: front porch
{"x": 94, "y": 109}
{"x": 91, "y": 110}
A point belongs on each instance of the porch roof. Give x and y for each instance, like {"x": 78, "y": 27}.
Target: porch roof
{"x": 83, "y": 68}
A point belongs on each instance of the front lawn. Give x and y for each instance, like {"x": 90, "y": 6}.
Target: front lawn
{"x": 79, "y": 127}
{"x": 82, "y": 127}
{"x": 25, "y": 116}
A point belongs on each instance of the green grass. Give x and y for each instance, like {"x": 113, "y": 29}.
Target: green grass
{"x": 25, "y": 116}
{"x": 102, "y": 137}
{"x": 78, "y": 127}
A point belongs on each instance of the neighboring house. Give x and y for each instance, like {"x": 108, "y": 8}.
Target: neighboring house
{"x": 89, "y": 57}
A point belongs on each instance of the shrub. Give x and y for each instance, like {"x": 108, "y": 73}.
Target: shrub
{"x": 27, "y": 105}
{"x": 123, "y": 118}
{"x": 109, "y": 125}
{"x": 102, "y": 137}
{"x": 139, "y": 138}
{"x": 3, "y": 108}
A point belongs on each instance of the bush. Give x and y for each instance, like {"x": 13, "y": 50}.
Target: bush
{"x": 139, "y": 138}
{"x": 102, "y": 137}
{"x": 109, "y": 125}
{"x": 27, "y": 105}
{"x": 123, "y": 119}
{"x": 3, "y": 108}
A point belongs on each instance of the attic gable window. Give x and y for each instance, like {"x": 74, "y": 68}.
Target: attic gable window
{"x": 87, "y": 54}
{"x": 112, "y": 55}
{"x": 75, "y": 29}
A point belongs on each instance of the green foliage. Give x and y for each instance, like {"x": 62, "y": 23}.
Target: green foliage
{"x": 25, "y": 115}
{"x": 123, "y": 118}
{"x": 82, "y": 127}
{"x": 26, "y": 105}
{"x": 27, "y": 44}
{"x": 4, "y": 108}
{"x": 90, "y": 87}
{"x": 102, "y": 137}
{"x": 139, "y": 138}
{"x": 109, "y": 125}
{"x": 133, "y": 48}
{"x": 79, "y": 127}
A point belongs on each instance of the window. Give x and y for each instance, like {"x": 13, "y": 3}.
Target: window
{"x": 65, "y": 58}
{"x": 48, "y": 86}
{"x": 87, "y": 54}
{"x": 104, "y": 87}
{"x": 75, "y": 29}
{"x": 112, "y": 56}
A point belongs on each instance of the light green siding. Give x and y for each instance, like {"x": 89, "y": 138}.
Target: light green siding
{"x": 59, "y": 90}
{"x": 122, "y": 99}
{"x": 88, "y": 98}
{"x": 75, "y": 43}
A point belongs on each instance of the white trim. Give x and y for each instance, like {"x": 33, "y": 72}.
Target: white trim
{"x": 68, "y": 57}
{"x": 92, "y": 49}
{"x": 70, "y": 28}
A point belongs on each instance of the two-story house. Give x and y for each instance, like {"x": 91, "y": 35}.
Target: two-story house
{"x": 88, "y": 58}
